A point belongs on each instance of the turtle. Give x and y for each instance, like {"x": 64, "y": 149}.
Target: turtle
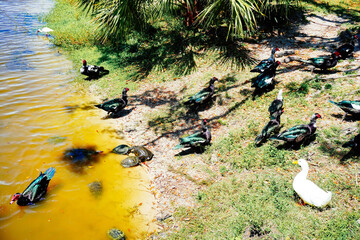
{"x": 95, "y": 188}
{"x": 142, "y": 153}
{"x": 130, "y": 161}
{"x": 116, "y": 234}
{"x": 121, "y": 149}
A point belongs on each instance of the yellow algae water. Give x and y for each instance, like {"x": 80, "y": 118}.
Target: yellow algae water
{"x": 40, "y": 117}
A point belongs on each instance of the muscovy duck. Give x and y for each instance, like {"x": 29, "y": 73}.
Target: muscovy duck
{"x": 350, "y": 107}
{"x": 115, "y": 105}
{"x": 308, "y": 191}
{"x": 298, "y": 133}
{"x": 270, "y": 128}
{"x": 323, "y": 63}
{"x": 81, "y": 156}
{"x": 354, "y": 144}
{"x": 266, "y": 64}
{"x": 204, "y": 95}
{"x": 347, "y": 49}
{"x": 277, "y": 104}
{"x": 36, "y": 190}
{"x": 92, "y": 71}
{"x": 266, "y": 78}
{"x": 197, "y": 139}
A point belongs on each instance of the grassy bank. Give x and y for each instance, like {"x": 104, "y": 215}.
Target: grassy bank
{"x": 247, "y": 190}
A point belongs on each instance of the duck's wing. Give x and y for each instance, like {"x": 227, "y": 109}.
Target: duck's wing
{"x": 263, "y": 66}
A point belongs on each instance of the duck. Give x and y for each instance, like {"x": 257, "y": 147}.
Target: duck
{"x": 349, "y": 107}
{"x": 270, "y": 128}
{"x": 324, "y": 62}
{"x": 346, "y": 50}
{"x": 36, "y": 190}
{"x": 354, "y": 144}
{"x": 92, "y": 71}
{"x": 81, "y": 156}
{"x": 204, "y": 95}
{"x": 277, "y": 104}
{"x": 45, "y": 30}
{"x": 308, "y": 191}
{"x": 298, "y": 133}
{"x": 198, "y": 139}
{"x": 265, "y": 79}
{"x": 115, "y": 105}
{"x": 266, "y": 64}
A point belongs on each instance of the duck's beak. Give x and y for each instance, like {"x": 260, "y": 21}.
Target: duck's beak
{"x": 12, "y": 201}
{"x": 295, "y": 162}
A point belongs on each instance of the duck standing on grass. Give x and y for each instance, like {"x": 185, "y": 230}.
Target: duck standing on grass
{"x": 197, "y": 139}
{"x": 270, "y": 128}
{"x": 92, "y": 71}
{"x": 277, "y": 104}
{"x": 36, "y": 190}
{"x": 202, "y": 96}
{"x": 349, "y": 107}
{"x": 266, "y": 64}
{"x": 298, "y": 133}
{"x": 265, "y": 79}
{"x": 308, "y": 191}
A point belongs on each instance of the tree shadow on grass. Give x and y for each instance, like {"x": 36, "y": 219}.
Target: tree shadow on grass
{"x": 173, "y": 50}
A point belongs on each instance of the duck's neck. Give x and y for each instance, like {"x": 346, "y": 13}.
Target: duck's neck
{"x": 304, "y": 172}
{"x": 124, "y": 97}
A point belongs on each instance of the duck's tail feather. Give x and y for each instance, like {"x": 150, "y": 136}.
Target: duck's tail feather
{"x": 49, "y": 173}
{"x": 177, "y": 147}
{"x": 349, "y": 144}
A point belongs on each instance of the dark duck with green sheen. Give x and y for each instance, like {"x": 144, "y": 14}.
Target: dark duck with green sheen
{"x": 347, "y": 49}
{"x": 36, "y": 190}
{"x": 350, "y": 107}
{"x": 270, "y": 128}
{"x": 204, "y": 95}
{"x": 91, "y": 71}
{"x": 323, "y": 63}
{"x": 277, "y": 104}
{"x": 198, "y": 139}
{"x": 266, "y": 64}
{"x": 115, "y": 105}
{"x": 354, "y": 144}
{"x": 298, "y": 133}
{"x": 265, "y": 79}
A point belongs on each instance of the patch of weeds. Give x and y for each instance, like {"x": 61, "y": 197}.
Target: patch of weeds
{"x": 223, "y": 170}
{"x": 298, "y": 90}
{"x": 328, "y": 86}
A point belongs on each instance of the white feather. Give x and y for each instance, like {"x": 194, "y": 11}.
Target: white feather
{"x": 309, "y": 191}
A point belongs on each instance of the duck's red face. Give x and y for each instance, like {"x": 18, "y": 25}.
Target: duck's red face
{"x": 356, "y": 36}
{"x": 15, "y": 198}
{"x": 276, "y": 49}
{"x": 278, "y": 62}
{"x": 337, "y": 53}
{"x": 318, "y": 115}
{"x": 84, "y": 62}
{"x": 127, "y": 89}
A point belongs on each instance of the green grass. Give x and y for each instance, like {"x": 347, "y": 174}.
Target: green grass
{"x": 251, "y": 194}
{"x": 262, "y": 204}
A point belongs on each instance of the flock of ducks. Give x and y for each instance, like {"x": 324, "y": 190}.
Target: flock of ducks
{"x": 308, "y": 191}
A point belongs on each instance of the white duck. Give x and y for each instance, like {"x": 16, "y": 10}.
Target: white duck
{"x": 45, "y": 30}
{"x": 309, "y": 192}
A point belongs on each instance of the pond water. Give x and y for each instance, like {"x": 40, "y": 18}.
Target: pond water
{"x": 41, "y": 116}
